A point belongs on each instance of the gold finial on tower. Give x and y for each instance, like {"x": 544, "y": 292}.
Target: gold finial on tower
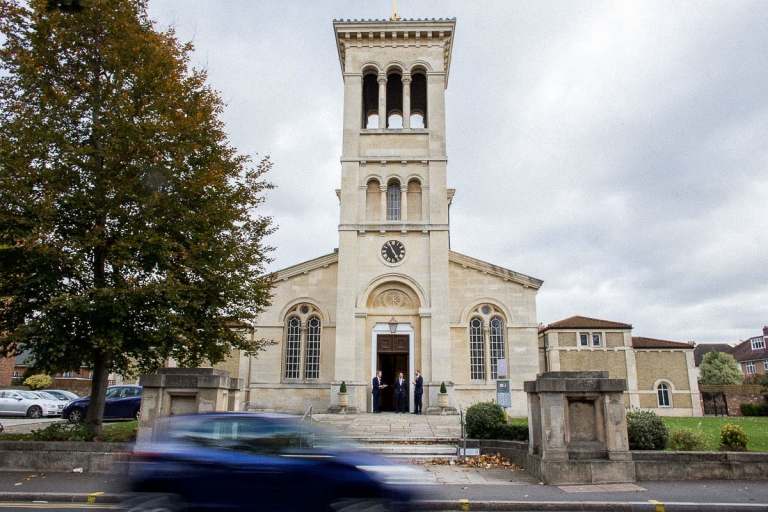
{"x": 395, "y": 16}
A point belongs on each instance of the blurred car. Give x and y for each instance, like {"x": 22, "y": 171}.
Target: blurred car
{"x": 60, "y": 394}
{"x": 251, "y": 461}
{"x": 52, "y": 399}
{"x": 27, "y": 403}
{"x": 121, "y": 402}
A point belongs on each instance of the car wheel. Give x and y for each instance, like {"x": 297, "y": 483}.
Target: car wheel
{"x": 34, "y": 412}
{"x": 76, "y": 415}
{"x": 151, "y": 502}
{"x": 360, "y": 505}
{"x": 137, "y": 414}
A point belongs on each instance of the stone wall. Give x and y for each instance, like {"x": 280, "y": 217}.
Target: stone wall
{"x": 736, "y": 395}
{"x": 61, "y": 456}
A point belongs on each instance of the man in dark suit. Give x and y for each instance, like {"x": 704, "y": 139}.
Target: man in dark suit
{"x": 418, "y": 390}
{"x": 377, "y": 387}
{"x": 400, "y": 388}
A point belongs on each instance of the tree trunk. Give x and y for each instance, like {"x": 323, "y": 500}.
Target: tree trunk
{"x": 98, "y": 393}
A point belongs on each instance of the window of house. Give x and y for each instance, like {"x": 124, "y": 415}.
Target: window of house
{"x": 67, "y": 374}
{"x": 765, "y": 364}
{"x": 750, "y": 368}
{"x": 584, "y": 339}
{"x": 15, "y": 375}
{"x": 663, "y": 393}
{"x": 476, "y": 350}
{"x": 496, "y": 344}
{"x": 293, "y": 348}
{"x": 393, "y": 202}
{"x": 312, "y": 362}
{"x": 596, "y": 339}
{"x": 758, "y": 343}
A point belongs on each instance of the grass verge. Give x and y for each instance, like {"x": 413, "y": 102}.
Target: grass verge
{"x": 755, "y": 427}
{"x": 117, "y": 432}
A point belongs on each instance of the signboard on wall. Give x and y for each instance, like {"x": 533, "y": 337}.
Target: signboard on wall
{"x": 503, "y": 393}
{"x": 501, "y": 368}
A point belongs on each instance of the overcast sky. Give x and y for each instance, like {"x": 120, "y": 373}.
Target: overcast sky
{"x": 616, "y": 150}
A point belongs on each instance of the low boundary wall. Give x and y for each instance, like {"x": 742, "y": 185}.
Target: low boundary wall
{"x": 655, "y": 465}
{"x": 61, "y": 456}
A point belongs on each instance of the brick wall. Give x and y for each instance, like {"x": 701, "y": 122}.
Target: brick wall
{"x": 6, "y": 370}
{"x": 594, "y": 359}
{"x": 736, "y": 395}
{"x": 661, "y": 364}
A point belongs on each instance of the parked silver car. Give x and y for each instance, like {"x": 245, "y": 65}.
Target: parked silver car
{"x": 65, "y": 396}
{"x": 26, "y": 403}
{"x": 48, "y": 397}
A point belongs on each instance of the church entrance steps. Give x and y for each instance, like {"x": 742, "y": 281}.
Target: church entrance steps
{"x": 392, "y": 427}
{"x": 413, "y": 451}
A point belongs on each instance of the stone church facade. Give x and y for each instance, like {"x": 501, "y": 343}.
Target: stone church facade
{"x": 393, "y": 296}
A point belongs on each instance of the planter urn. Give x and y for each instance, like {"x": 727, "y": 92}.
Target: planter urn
{"x": 442, "y": 402}
{"x": 343, "y": 402}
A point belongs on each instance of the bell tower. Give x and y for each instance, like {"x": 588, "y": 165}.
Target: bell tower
{"x": 393, "y": 228}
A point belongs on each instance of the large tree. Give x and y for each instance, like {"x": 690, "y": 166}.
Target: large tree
{"x": 720, "y": 369}
{"x": 127, "y": 227}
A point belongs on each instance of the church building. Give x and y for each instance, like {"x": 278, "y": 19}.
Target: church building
{"x": 393, "y": 296}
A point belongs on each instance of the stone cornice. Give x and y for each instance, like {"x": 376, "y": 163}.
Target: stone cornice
{"x": 303, "y": 268}
{"x": 488, "y": 268}
{"x": 390, "y": 226}
{"x": 426, "y": 32}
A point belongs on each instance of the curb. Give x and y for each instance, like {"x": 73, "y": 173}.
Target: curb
{"x": 532, "y": 506}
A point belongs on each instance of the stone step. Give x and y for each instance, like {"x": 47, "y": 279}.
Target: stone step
{"x": 412, "y": 449}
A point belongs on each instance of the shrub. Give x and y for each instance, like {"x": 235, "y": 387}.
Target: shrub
{"x": 39, "y": 381}
{"x": 646, "y": 431}
{"x": 442, "y": 388}
{"x": 686, "y": 440}
{"x": 511, "y": 432}
{"x": 483, "y": 419}
{"x": 64, "y": 432}
{"x": 760, "y": 409}
{"x": 343, "y": 387}
{"x": 733, "y": 436}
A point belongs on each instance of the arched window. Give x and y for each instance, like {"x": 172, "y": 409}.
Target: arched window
{"x": 312, "y": 360}
{"x": 414, "y": 200}
{"x": 496, "y": 344}
{"x": 663, "y": 393}
{"x": 293, "y": 348}
{"x": 393, "y": 202}
{"x": 371, "y": 101}
{"x": 476, "y": 350}
{"x": 418, "y": 100}
{"x": 394, "y": 102}
{"x": 373, "y": 201}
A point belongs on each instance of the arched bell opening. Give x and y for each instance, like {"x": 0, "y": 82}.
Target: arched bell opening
{"x": 370, "y": 101}
{"x": 418, "y": 100}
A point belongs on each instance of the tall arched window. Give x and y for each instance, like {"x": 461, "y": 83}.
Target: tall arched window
{"x": 373, "y": 201}
{"x": 414, "y": 200}
{"x": 393, "y": 202}
{"x": 476, "y": 350}
{"x": 371, "y": 101}
{"x": 496, "y": 344}
{"x": 663, "y": 393}
{"x": 312, "y": 362}
{"x": 293, "y": 348}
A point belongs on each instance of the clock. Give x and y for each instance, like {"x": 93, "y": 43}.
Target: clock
{"x": 393, "y": 251}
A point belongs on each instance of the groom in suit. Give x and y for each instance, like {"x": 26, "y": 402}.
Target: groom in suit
{"x": 377, "y": 387}
{"x": 418, "y": 391}
{"x": 400, "y": 387}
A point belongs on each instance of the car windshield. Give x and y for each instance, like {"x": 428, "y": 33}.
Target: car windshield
{"x": 45, "y": 395}
{"x": 29, "y": 395}
{"x": 112, "y": 392}
{"x": 250, "y": 433}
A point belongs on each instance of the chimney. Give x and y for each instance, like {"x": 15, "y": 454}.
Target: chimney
{"x": 765, "y": 330}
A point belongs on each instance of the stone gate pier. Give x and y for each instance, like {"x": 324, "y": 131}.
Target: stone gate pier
{"x": 578, "y": 428}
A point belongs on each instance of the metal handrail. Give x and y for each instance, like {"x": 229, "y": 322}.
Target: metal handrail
{"x": 463, "y": 434}
{"x": 303, "y": 417}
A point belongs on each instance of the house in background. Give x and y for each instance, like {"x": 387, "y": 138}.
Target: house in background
{"x": 702, "y": 349}
{"x": 660, "y": 374}
{"x": 752, "y": 355}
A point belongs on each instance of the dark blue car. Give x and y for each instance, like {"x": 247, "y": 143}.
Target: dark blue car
{"x": 248, "y": 461}
{"x": 121, "y": 402}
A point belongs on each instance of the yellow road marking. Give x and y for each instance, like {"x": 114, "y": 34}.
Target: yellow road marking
{"x": 92, "y": 497}
{"x": 464, "y": 504}
{"x": 58, "y": 505}
{"x": 659, "y": 505}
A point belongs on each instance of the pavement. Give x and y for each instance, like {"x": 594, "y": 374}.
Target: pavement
{"x": 440, "y": 486}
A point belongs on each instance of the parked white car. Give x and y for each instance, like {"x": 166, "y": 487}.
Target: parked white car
{"x": 48, "y": 397}
{"x": 26, "y": 403}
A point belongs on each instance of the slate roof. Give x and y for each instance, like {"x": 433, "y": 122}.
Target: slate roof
{"x": 703, "y": 349}
{"x": 583, "y": 322}
{"x": 743, "y": 352}
{"x": 640, "y": 342}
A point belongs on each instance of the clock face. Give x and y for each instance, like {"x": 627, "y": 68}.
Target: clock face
{"x": 393, "y": 251}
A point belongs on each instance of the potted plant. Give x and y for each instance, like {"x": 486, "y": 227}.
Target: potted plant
{"x": 442, "y": 398}
{"x": 343, "y": 398}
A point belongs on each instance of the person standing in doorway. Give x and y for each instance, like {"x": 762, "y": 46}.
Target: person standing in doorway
{"x": 377, "y": 387}
{"x": 400, "y": 394}
{"x": 418, "y": 390}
